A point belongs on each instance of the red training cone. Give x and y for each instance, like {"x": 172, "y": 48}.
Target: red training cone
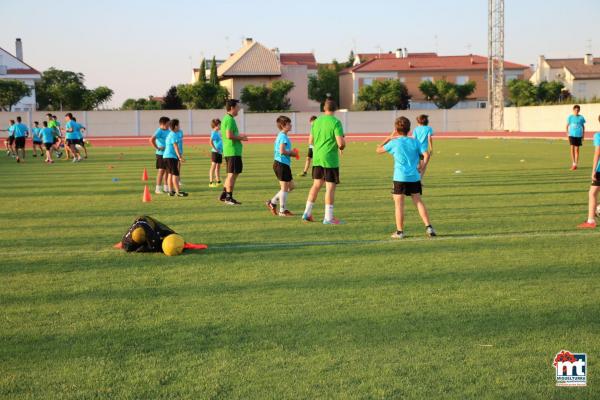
{"x": 145, "y": 175}
{"x": 297, "y": 153}
{"x": 146, "y": 198}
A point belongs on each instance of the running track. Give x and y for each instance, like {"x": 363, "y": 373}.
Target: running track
{"x": 130, "y": 141}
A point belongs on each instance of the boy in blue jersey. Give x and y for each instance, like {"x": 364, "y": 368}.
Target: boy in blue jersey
{"x": 424, "y": 135}
{"x": 408, "y": 171}
{"x": 72, "y": 136}
{"x": 10, "y": 140}
{"x": 173, "y": 157}
{"x": 81, "y": 139}
{"x": 216, "y": 154}
{"x": 282, "y": 167}
{"x": 309, "y": 155}
{"x": 576, "y": 134}
{"x": 158, "y": 142}
{"x": 21, "y": 131}
{"x": 48, "y": 137}
{"x": 36, "y": 138}
{"x": 595, "y": 187}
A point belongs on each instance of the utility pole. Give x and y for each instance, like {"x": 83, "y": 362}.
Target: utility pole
{"x": 495, "y": 77}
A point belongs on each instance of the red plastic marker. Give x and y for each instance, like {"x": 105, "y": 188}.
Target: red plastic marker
{"x": 297, "y": 153}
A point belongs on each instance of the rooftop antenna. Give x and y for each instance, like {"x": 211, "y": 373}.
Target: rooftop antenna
{"x": 435, "y": 43}
{"x": 589, "y": 46}
{"x": 495, "y": 76}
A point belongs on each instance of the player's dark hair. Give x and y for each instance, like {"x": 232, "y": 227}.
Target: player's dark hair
{"x": 49, "y": 115}
{"x": 12, "y": 121}
{"x": 45, "y": 123}
{"x": 215, "y": 122}
{"x": 423, "y": 119}
{"x": 69, "y": 115}
{"x": 330, "y": 105}
{"x": 163, "y": 120}
{"x": 230, "y": 104}
{"x": 18, "y": 119}
{"x": 576, "y": 106}
{"x": 54, "y": 116}
{"x": 174, "y": 123}
{"x": 312, "y": 118}
{"x": 36, "y": 123}
{"x": 74, "y": 119}
{"x": 403, "y": 125}
{"x": 283, "y": 121}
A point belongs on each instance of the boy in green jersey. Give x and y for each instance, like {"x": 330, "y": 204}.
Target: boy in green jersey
{"x": 232, "y": 150}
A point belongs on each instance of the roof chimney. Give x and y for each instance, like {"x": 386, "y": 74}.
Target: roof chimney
{"x": 541, "y": 61}
{"x": 588, "y": 59}
{"x": 248, "y": 41}
{"x": 399, "y": 53}
{"x": 19, "y": 49}
{"x": 277, "y": 53}
{"x": 405, "y": 52}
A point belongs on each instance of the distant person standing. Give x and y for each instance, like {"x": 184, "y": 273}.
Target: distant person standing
{"x": 232, "y": 150}
{"x": 72, "y": 136}
{"x": 21, "y": 131}
{"x": 327, "y": 137}
{"x": 576, "y": 134}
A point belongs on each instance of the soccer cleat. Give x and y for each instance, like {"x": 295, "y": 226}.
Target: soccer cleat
{"x": 7, "y": 153}
{"x": 286, "y": 213}
{"x": 587, "y": 225}
{"x": 158, "y": 191}
{"x": 271, "y": 207}
{"x": 223, "y": 196}
{"x": 232, "y": 202}
{"x": 307, "y": 218}
{"x": 35, "y": 155}
{"x": 218, "y": 184}
{"x": 171, "y": 194}
{"x": 182, "y": 194}
{"x": 398, "y": 235}
{"x": 430, "y": 231}
{"x": 573, "y": 167}
{"x": 333, "y": 221}
{"x": 302, "y": 174}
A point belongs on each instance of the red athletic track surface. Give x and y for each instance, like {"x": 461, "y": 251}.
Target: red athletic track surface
{"x": 130, "y": 141}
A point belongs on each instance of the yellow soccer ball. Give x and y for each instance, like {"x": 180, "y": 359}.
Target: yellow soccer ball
{"x": 173, "y": 244}
{"x": 138, "y": 235}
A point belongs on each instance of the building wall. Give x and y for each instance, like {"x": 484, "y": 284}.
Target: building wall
{"x": 346, "y": 91}
{"x": 235, "y": 84}
{"x": 299, "y": 94}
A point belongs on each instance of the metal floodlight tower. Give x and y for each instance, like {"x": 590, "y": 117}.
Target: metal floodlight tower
{"x": 495, "y": 77}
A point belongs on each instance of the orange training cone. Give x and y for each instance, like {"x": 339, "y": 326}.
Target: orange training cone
{"x": 145, "y": 175}
{"x": 147, "y": 198}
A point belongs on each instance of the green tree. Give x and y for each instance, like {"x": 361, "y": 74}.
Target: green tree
{"x": 11, "y": 92}
{"x": 325, "y": 84}
{"x": 65, "y": 90}
{"x": 390, "y": 94}
{"x": 522, "y": 93}
{"x": 351, "y": 58}
{"x": 444, "y": 94}
{"x": 202, "y": 72}
{"x": 263, "y": 98}
{"x": 203, "y": 95}
{"x": 214, "y": 79}
{"x": 172, "y": 101}
{"x": 550, "y": 92}
{"x": 141, "y": 104}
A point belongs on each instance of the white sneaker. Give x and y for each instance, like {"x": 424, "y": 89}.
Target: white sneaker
{"x": 158, "y": 191}
{"x": 398, "y": 235}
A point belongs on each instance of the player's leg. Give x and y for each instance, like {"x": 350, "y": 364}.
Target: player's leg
{"x": 593, "y": 202}
{"x": 329, "y": 200}
{"x": 416, "y": 198}
{"x": 576, "y": 161}
{"x": 572, "y": 155}
{"x": 312, "y": 198}
{"x": 211, "y": 174}
{"x": 218, "y": 173}
{"x": 399, "y": 216}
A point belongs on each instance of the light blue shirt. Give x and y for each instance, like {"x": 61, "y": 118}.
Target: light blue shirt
{"x": 73, "y": 134}
{"x": 173, "y": 138}
{"x": 77, "y": 130}
{"x": 576, "y": 123}
{"x": 597, "y": 143}
{"x": 47, "y": 135}
{"x": 217, "y": 140}
{"x": 422, "y": 133}
{"x": 160, "y": 135}
{"x": 406, "y": 152}
{"x": 282, "y": 138}
{"x": 11, "y": 130}
{"x": 36, "y": 134}
{"x": 20, "y": 130}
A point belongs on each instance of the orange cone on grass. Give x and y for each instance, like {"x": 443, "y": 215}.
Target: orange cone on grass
{"x": 145, "y": 175}
{"x": 146, "y": 198}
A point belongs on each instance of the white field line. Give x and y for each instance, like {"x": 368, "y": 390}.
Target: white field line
{"x": 409, "y": 239}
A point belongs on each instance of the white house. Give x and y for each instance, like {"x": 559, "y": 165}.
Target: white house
{"x": 13, "y": 67}
{"x": 581, "y": 76}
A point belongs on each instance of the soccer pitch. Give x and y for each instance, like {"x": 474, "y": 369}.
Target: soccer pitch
{"x": 280, "y": 309}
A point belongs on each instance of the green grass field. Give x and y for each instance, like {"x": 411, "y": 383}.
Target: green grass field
{"x": 280, "y": 309}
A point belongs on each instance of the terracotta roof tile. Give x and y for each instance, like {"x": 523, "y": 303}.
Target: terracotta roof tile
{"x": 307, "y": 59}
{"x": 251, "y": 60}
{"x": 577, "y": 67}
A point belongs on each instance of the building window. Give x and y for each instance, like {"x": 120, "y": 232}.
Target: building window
{"x": 462, "y": 79}
{"x": 368, "y": 81}
{"x": 402, "y": 79}
{"x": 427, "y": 78}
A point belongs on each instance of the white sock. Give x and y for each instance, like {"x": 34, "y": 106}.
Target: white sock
{"x": 591, "y": 221}
{"x": 309, "y": 207}
{"x": 275, "y": 198}
{"x": 328, "y": 212}
{"x": 282, "y": 200}
{"x": 166, "y": 188}
{"x": 157, "y": 188}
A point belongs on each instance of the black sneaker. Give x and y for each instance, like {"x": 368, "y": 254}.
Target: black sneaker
{"x": 171, "y": 194}
{"x": 232, "y": 202}
{"x": 223, "y": 196}
{"x": 430, "y": 231}
{"x": 182, "y": 194}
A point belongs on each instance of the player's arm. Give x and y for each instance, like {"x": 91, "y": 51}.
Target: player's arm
{"x": 179, "y": 156}
{"x": 284, "y": 152}
{"x": 153, "y": 143}
{"x": 239, "y": 138}
{"x": 341, "y": 142}
{"x": 212, "y": 145}
{"x": 423, "y": 166}
{"x": 430, "y": 144}
{"x": 310, "y": 139}
{"x": 595, "y": 163}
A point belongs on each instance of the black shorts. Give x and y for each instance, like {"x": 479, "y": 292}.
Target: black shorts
{"x": 234, "y": 164}
{"x": 310, "y": 151}
{"x": 11, "y": 140}
{"x": 331, "y": 175}
{"x": 575, "y": 141}
{"x": 72, "y": 142}
{"x": 171, "y": 165}
{"x": 37, "y": 142}
{"x": 48, "y": 146}
{"x": 20, "y": 142}
{"x": 407, "y": 188}
{"x": 596, "y": 181}
{"x": 217, "y": 158}
{"x": 283, "y": 172}
{"x": 160, "y": 162}
{"x": 81, "y": 142}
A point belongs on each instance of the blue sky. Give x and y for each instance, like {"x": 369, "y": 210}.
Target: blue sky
{"x": 139, "y": 48}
